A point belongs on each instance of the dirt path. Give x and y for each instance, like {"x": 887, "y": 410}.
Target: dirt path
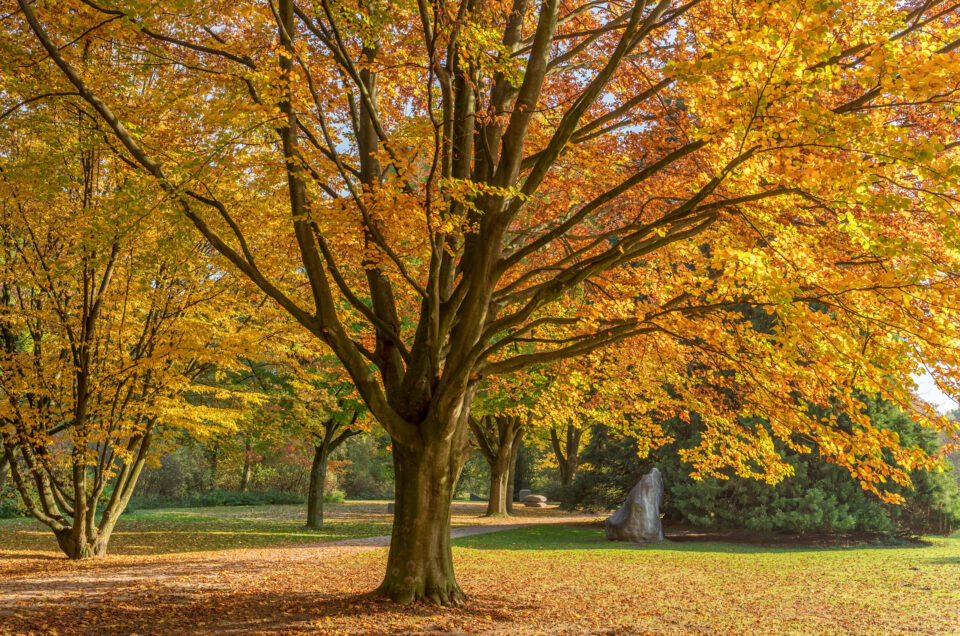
{"x": 383, "y": 541}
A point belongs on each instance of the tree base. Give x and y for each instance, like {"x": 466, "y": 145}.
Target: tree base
{"x": 95, "y": 550}
{"x": 402, "y": 592}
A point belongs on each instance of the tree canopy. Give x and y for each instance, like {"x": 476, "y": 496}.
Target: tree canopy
{"x": 446, "y": 191}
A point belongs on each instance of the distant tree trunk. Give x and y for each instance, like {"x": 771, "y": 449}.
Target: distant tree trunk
{"x": 4, "y": 467}
{"x": 245, "y": 473}
{"x": 497, "y": 502}
{"x": 213, "y": 456}
{"x": 568, "y": 461}
{"x": 512, "y": 477}
{"x": 331, "y": 438}
{"x": 318, "y": 481}
{"x": 498, "y": 437}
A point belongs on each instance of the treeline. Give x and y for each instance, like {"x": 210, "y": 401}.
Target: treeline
{"x": 819, "y": 497}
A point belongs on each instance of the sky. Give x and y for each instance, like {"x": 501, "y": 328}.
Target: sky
{"x": 927, "y": 390}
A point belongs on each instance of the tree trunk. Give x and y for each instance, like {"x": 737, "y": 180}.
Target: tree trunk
{"x": 499, "y": 476}
{"x": 318, "y": 480}
{"x": 245, "y": 473}
{"x": 420, "y": 563}
{"x": 568, "y": 462}
{"x": 4, "y": 467}
{"x": 566, "y": 473}
{"x": 82, "y": 547}
{"x": 213, "y": 455}
{"x": 512, "y": 477}
{"x": 500, "y": 451}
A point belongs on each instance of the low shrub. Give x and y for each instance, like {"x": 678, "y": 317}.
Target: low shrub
{"x": 219, "y": 498}
{"x": 818, "y": 498}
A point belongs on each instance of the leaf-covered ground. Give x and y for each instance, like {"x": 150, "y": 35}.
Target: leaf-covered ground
{"x": 543, "y": 578}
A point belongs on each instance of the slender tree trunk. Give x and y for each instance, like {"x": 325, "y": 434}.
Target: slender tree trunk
{"x": 512, "y": 476}
{"x": 568, "y": 461}
{"x": 420, "y": 563}
{"x": 213, "y": 454}
{"x": 318, "y": 480}
{"x": 245, "y": 473}
{"x": 504, "y": 433}
{"x": 4, "y": 467}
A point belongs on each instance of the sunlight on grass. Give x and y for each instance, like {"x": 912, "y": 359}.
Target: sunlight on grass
{"x": 726, "y": 587}
{"x": 205, "y": 529}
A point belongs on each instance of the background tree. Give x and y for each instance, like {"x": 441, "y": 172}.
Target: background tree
{"x": 105, "y": 321}
{"x": 498, "y": 438}
{"x": 324, "y": 405}
{"x": 306, "y": 398}
{"x": 582, "y": 394}
{"x": 456, "y": 179}
{"x": 500, "y": 421}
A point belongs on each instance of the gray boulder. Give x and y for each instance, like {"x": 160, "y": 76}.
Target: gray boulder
{"x": 522, "y": 494}
{"x": 638, "y": 519}
{"x": 534, "y": 504}
{"x": 534, "y": 499}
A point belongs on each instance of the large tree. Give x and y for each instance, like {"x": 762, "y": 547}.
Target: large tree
{"x": 443, "y": 191}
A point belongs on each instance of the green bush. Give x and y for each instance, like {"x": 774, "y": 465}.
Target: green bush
{"x": 219, "y": 498}
{"x": 369, "y": 470}
{"x": 11, "y": 505}
{"x": 819, "y": 497}
{"x": 335, "y": 496}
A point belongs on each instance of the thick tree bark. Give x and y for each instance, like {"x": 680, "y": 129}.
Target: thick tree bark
{"x": 420, "y": 563}
{"x": 318, "y": 480}
{"x": 4, "y": 467}
{"x": 78, "y": 547}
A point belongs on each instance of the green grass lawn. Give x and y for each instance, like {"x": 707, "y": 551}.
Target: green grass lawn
{"x": 203, "y": 529}
{"x": 576, "y": 576}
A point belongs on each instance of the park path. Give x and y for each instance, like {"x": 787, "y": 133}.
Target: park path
{"x": 383, "y": 541}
